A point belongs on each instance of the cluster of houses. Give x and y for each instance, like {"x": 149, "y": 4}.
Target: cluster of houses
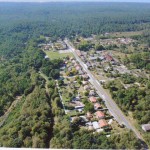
{"x": 116, "y": 41}
{"x": 103, "y": 59}
{"x": 59, "y": 45}
{"x": 96, "y": 120}
{"x": 93, "y": 60}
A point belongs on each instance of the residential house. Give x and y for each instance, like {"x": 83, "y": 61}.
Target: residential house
{"x": 83, "y": 53}
{"x": 100, "y": 115}
{"x": 95, "y": 125}
{"x": 70, "y": 68}
{"x": 80, "y": 72}
{"x": 91, "y": 93}
{"x": 78, "y": 53}
{"x": 78, "y": 67}
{"x": 92, "y": 58}
{"x": 83, "y": 58}
{"x": 108, "y": 58}
{"x": 146, "y": 127}
{"x": 71, "y": 58}
{"x": 79, "y": 108}
{"x": 84, "y": 82}
{"x": 88, "y": 64}
{"x": 86, "y": 87}
{"x": 73, "y": 61}
{"x": 46, "y": 47}
{"x": 97, "y": 106}
{"x": 85, "y": 76}
{"x": 46, "y": 57}
{"x": 101, "y": 57}
{"x": 107, "y": 68}
{"x": 103, "y": 123}
{"x": 93, "y": 99}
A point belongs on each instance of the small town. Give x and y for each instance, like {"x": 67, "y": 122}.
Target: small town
{"x": 82, "y": 102}
{"x": 75, "y": 74}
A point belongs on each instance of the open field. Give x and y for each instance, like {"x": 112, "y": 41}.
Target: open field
{"x": 124, "y": 34}
{"x": 57, "y": 55}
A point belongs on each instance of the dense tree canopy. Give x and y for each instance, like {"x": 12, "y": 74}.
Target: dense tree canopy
{"x": 38, "y": 120}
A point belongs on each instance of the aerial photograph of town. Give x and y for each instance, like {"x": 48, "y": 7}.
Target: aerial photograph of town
{"x": 75, "y": 74}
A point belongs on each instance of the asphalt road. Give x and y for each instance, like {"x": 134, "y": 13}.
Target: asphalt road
{"x": 111, "y": 105}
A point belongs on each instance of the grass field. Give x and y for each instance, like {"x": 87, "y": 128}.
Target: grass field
{"x": 125, "y": 34}
{"x": 57, "y": 55}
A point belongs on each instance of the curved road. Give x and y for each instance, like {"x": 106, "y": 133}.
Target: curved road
{"x": 111, "y": 105}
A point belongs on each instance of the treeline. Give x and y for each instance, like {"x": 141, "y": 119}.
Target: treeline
{"x": 69, "y": 19}
{"x": 30, "y": 123}
{"x": 132, "y": 99}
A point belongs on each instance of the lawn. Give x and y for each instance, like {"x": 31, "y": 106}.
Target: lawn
{"x": 57, "y": 55}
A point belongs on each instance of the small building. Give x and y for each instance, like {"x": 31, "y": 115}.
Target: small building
{"x": 93, "y": 99}
{"x": 69, "y": 68}
{"x": 109, "y": 58}
{"x": 73, "y": 61}
{"x": 88, "y": 64}
{"x": 86, "y": 87}
{"x": 78, "y": 52}
{"x": 103, "y": 123}
{"x": 97, "y": 106}
{"x": 95, "y": 125}
{"x": 79, "y": 108}
{"x": 101, "y": 58}
{"x": 146, "y": 127}
{"x": 80, "y": 72}
{"x": 84, "y": 118}
{"x": 71, "y": 58}
{"x": 46, "y": 57}
{"x": 85, "y": 76}
{"x": 100, "y": 115}
{"x": 91, "y": 93}
{"x": 83, "y": 58}
{"x": 78, "y": 67}
{"x": 84, "y": 82}
{"x": 92, "y": 58}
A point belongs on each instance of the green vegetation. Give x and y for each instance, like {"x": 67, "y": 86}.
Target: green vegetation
{"x": 39, "y": 120}
{"x": 133, "y": 99}
{"x": 57, "y": 55}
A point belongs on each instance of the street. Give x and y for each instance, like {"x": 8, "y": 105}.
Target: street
{"x": 111, "y": 105}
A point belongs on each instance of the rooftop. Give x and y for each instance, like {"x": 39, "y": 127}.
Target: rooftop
{"x": 102, "y": 123}
{"x": 100, "y": 114}
{"x": 146, "y": 127}
{"x": 93, "y": 99}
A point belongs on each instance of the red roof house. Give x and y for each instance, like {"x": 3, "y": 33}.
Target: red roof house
{"x": 93, "y": 99}
{"x": 109, "y": 58}
{"x": 103, "y": 123}
{"x": 100, "y": 115}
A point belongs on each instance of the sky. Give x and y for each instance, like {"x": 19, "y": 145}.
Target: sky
{"x": 140, "y": 1}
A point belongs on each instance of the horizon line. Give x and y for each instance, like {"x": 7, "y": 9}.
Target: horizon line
{"x": 71, "y": 2}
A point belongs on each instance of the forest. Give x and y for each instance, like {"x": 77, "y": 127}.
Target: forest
{"x": 35, "y": 121}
